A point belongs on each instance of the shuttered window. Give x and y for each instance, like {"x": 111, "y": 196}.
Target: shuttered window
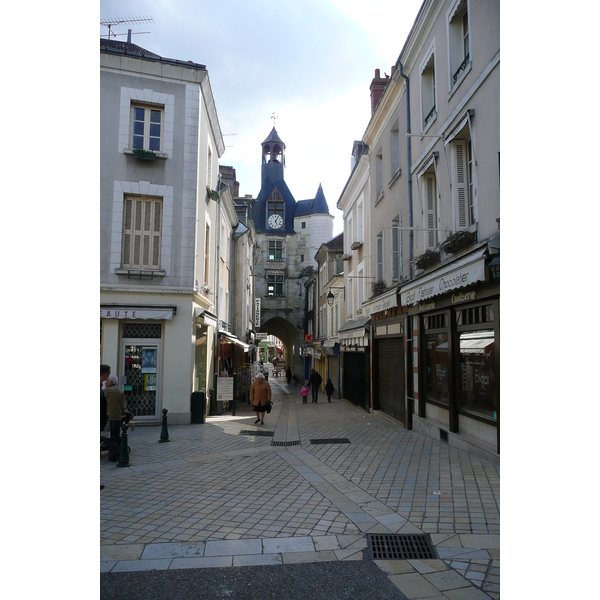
{"x": 464, "y": 185}
{"x": 430, "y": 198}
{"x": 142, "y": 225}
{"x": 396, "y": 249}
{"x": 379, "y": 250}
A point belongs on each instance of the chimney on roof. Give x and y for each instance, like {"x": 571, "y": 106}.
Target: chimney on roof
{"x": 378, "y": 86}
{"x": 129, "y": 36}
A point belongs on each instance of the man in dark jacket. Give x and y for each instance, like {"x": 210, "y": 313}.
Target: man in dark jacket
{"x": 104, "y": 373}
{"x": 315, "y": 381}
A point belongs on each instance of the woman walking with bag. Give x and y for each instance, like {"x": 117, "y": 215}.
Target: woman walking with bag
{"x": 260, "y": 396}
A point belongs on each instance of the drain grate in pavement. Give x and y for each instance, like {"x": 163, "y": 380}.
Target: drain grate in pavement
{"x": 401, "y": 546}
{"x": 331, "y": 441}
{"x": 294, "y": 443}
{"x": 257, "y": 432}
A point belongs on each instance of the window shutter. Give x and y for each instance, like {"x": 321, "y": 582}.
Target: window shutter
{"x": 461, "y": 185}
{"x": 395, "y": 250}
{"x": 430, "y": 193}
{"x": 127, "y": 233}
{"x": 156, "y": 236}
{"x": 380, "y": 257}
{"x": 137, "y": 234}
{"x": 141, "y": 233}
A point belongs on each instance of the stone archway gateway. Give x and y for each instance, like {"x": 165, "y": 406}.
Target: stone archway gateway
{"x": 290, "y": 337}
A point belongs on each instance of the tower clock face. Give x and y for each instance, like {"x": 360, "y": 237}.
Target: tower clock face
{"x": 275, "y": 221}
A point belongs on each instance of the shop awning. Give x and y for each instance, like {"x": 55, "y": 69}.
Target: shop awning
{"x": 354, "y": 333}
{"x": 208, "y": 317}
{"x": 383, "y": 302}
{"x": 457, "y": 274}
{"x": 231, "y": 338}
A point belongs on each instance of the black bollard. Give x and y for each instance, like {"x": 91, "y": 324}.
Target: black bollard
{"x": 124, "y": 454}
{"x": 164, "y": 434}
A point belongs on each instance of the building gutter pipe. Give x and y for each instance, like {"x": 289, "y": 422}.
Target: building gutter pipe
{"x": 409, "y": 168}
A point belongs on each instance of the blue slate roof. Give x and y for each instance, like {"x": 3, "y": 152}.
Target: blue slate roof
{"x": 318, "y": 205}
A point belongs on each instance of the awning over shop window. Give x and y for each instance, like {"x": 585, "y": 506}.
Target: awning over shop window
{"x": 207, "y": 316}
{"x": 383, "y": 302}
{"x": 354, "y": 333}
{"x": 232, "y": 339}
{"x": 457, "y": 274}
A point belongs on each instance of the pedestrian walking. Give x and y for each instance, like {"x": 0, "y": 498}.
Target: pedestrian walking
{"x": 288, "y": 375}
{"x": 304, "y": 393}
{"x": 315, "y": 382}
{"x": 329, "y": 389}
{"x": 260, "y": 397}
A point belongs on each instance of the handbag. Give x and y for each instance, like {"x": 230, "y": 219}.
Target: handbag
{"x": 269, "y": 407}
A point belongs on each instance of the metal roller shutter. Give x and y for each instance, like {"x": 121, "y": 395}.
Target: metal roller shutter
{"x": 390, "y": 375}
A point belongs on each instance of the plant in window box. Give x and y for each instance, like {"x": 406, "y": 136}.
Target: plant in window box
{"x": 457, "y": 241}
{"x": 144, "y": 154}
{"x": 378, "y": 288}
{"x": 428, "y": 259}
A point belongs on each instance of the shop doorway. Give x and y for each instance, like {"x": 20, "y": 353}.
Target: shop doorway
{"x": 141, "y": 360}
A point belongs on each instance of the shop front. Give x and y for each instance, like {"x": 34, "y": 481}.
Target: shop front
{"x": 387, "y": 343}
{"x": 355, "y": 359}
{"x": 456, "y": 312}
{"x": 133, "y": 344}
{"x": 331, "y": 349}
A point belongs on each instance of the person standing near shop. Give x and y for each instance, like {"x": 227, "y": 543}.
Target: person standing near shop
{"x": 114, "y": 399}
{"x": 260, "y": 396}
{"x": 288, "y": 375}
{"x": 315, "y": 382}
{"x": 104, "y": 373}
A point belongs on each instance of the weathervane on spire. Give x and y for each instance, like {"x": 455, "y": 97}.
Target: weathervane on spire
{"x": 273, "y": 116}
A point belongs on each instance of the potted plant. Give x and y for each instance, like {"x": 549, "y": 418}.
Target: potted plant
{"x": 144, "y": 154}
{"x": 428, "y": 259}
{"x": 457, "y": 241}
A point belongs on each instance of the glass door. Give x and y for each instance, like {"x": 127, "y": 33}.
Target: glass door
{"x": 141, "y": 371}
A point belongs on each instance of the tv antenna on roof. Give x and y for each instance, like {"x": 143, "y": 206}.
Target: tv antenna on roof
{"x": 110, "y": 23}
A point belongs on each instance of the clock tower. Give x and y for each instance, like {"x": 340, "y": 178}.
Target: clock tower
{"x": 288, "y": 235}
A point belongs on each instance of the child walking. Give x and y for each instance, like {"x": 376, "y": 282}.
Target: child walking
{"x": 304, "y": 393}
{"x": 329, "y": 389}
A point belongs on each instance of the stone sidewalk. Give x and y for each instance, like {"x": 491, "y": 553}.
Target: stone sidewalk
{"x": 230, "y": 493}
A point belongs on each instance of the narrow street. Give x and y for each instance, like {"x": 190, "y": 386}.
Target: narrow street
{"x": 230, "y": 509}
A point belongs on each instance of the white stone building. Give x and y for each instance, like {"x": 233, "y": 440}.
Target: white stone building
{"x": 160, "y": 145}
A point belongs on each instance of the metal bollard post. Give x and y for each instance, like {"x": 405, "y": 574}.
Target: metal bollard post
{"x": 164, "y": 434}
{"x": 124, "y": 453}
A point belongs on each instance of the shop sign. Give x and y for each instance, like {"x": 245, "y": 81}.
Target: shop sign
{"x": 225, "y": 389}
{"x": 133, "y": 314}
{"x": 257, "y": 312}
{"x": 469, "y": 296}
{"x": 429, "y": 306}
{"x": 386, "y": 302}
{"x": 461, "y": 276}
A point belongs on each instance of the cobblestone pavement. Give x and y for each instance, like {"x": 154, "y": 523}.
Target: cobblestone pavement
{"x": 230, "y": 493}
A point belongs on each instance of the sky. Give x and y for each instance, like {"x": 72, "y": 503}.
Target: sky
{"x": 308, "y": 62}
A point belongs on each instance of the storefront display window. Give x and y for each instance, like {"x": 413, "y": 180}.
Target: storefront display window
{"x": 437, "y": 367}
{"x": 478, "y": 385}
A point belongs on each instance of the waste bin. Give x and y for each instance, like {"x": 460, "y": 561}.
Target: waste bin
{"x": 198, "y": 407}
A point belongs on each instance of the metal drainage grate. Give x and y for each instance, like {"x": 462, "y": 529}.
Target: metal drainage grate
{"x": 331, "y": 441}
{"x": 401, "y": 546}
{"x": 294, "y": 443}
{"x": 257, "y": 432}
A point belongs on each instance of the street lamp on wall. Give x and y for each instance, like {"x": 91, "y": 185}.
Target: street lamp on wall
{"x": 331, "y": 296}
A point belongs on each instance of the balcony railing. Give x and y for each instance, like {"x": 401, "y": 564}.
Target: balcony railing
{"x": 463, "y": 66}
